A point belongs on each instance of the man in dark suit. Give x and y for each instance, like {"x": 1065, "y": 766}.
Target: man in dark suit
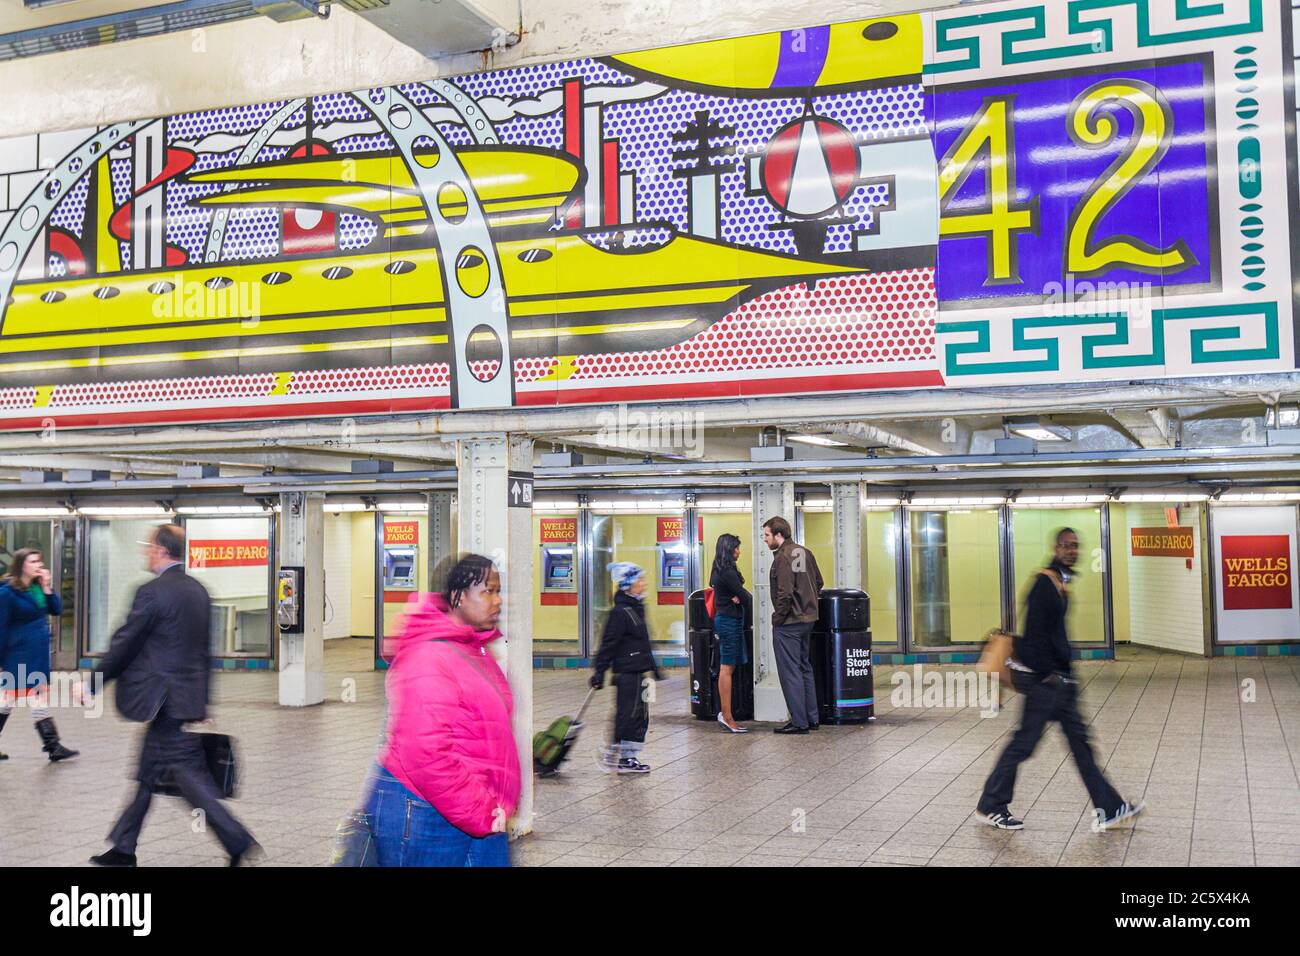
{"x": 160, "y": 659}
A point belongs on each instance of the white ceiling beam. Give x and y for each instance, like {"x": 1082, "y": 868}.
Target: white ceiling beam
{"x": 1149, "y": 427}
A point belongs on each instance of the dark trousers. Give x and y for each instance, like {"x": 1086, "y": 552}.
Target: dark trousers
{"x": 792, "y": 644}
{"x": 631, "y": 712}
{"x": 1043, "y": 703}
{"x": 169, "y": 748}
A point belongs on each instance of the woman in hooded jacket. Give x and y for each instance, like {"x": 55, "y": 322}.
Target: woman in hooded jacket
{"x": 448, "y": 776}
{"x": 625, "y": 649}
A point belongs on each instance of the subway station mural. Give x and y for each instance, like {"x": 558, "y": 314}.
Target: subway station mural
{"x": 1011, "y": 193}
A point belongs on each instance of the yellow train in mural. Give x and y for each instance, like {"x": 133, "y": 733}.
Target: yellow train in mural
{"x": 385, "y": 304}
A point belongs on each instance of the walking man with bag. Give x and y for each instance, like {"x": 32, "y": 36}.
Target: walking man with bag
{"x": 796, "y": 587}
{"x": 1041, "y": 672}
{"x": 160, "y": 657}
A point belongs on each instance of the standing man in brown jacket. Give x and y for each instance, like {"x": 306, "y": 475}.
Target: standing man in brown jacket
{"x": 796, "y": 585}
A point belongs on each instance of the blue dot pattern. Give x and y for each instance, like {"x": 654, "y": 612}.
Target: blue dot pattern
{"x": 643, "y": 127}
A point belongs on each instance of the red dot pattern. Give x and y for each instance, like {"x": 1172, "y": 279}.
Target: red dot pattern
{"x": 426, "y": 379}
{"x": 172, "y": 390}
{"x": 17, "y": 397}
{"x": 848, "y": 320}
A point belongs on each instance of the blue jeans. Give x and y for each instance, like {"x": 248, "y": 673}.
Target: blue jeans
{"x": 410, "y": 832}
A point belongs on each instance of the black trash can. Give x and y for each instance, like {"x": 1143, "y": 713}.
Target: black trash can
{"x": 841, "y": 657}
{"x": 706, "y": 664}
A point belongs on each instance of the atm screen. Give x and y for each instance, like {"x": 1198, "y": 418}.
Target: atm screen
{"x": 676, "y": 573}
{"x": 561, "y": 574}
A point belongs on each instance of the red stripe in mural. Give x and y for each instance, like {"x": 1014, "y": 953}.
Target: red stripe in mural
{"x": 609, "y": 177}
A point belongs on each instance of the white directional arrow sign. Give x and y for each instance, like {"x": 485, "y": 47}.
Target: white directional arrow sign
{"x": 520, "y": 489}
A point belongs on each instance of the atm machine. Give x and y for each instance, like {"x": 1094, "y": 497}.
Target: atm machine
{"x": 400, "y": 567}
{"x": 558, "y": 565}
{"x": 672, "y": 572}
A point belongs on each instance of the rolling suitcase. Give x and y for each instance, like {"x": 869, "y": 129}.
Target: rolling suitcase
{"x": 552, "y": 745}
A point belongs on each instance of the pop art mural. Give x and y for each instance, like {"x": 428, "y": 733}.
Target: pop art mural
{"x": 1007, "y": 194}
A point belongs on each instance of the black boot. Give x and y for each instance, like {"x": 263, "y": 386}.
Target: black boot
{"x": 50, "y": 737}
{"x": 3, "y": 718}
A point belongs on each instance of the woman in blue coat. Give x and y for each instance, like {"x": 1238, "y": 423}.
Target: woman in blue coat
{"x": 27, "y": 602}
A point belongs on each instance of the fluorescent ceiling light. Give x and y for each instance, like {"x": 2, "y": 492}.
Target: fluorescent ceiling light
{"x": 124, "y": 512}
{"x": 35, "y": 513}
{"x": 338, "y": 507}
{"x": 953, "y": 502}
{"x": 817, "y": 440}
{"x": 1059, "y": 499}
{"x": 1260, "y": 496}
{"x": 555, "y": 504}
{"x": 666, "y": 506}
{"x": 1039, "y": 431}
{"x": 1167, "y": 497}
{"x": 221, "y": 510}
{"x": 405, "y": 506}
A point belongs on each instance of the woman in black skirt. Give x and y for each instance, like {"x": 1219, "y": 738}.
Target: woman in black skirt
{"x": 730, "y": 603}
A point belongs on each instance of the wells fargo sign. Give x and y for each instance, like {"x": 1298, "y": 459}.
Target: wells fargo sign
{"x": 401, "y": 532}
{"x": 669, "y": 529}
{"x": 558, "y": 530}
{"x": 1177, "y": 542}
{"x": 228, "y": 553}
{"x": 1256, "y": 571}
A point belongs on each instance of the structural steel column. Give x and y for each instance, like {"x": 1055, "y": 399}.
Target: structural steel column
{"x": 442, "y": 533}
{"x": 771, "y": 499}
{"x": 488, "y": 525}
{"x": 302, "y": 544}
{"x": 846, "y": 518}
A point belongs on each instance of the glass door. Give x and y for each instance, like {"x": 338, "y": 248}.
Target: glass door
{"x": 1033, "y": 535}
{"x": 115, "y": 567}
{"x": 954, "y": 564}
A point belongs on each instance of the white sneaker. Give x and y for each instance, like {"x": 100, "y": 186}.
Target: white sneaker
{"x": 606, "y": 758}
{"x": 734, "y": 730}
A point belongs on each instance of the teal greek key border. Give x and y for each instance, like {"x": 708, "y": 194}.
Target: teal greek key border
{"x": 1049, "y": 360}
{"x": 1184, "y": 10}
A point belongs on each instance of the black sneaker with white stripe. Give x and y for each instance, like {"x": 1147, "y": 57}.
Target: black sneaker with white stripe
{"x": 1002, "y": 820}
{"x": 1126, "y": 811}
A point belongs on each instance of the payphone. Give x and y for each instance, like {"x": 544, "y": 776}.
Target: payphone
{"x": 288, "y": 600}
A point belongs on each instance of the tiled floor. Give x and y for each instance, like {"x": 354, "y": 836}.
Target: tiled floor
{"x": 1219, "y": 774}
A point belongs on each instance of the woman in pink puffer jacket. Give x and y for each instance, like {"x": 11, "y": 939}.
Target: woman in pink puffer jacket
{"x": 448, "y": 777}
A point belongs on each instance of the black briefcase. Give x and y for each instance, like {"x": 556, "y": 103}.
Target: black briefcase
{"x": 219, "y": 755}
